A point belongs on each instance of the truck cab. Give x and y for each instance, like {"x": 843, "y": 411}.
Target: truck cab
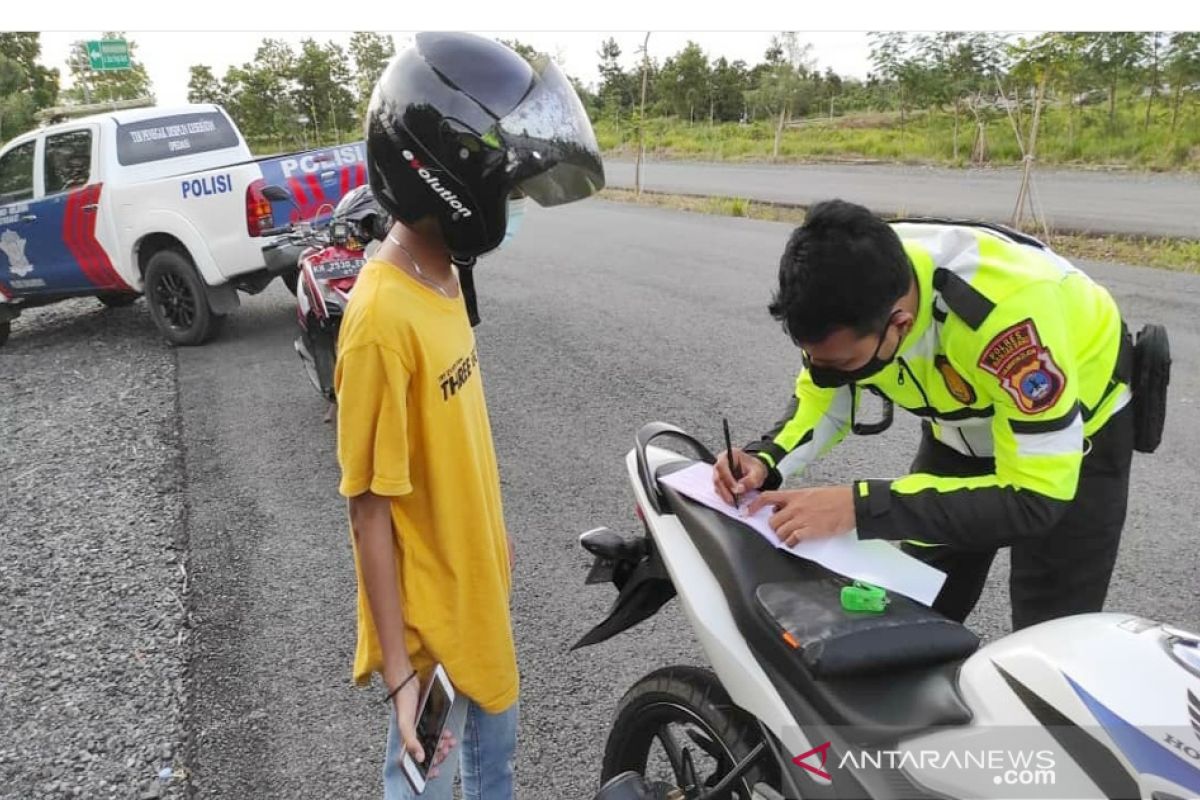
{"x": 165, "y": 202}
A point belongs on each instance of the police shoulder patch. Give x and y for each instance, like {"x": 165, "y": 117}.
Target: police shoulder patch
{"x": 1025, "y": 368}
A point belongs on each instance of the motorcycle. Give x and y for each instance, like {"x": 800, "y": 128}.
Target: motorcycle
{"x": 804, "y": 699}
{"x": 329, "y": 256}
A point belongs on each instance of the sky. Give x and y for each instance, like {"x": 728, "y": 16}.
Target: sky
{"x": 570, "y": 30}
{"x": 168, "y": 54}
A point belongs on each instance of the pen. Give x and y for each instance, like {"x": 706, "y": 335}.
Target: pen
{"x": 733, "y": 470}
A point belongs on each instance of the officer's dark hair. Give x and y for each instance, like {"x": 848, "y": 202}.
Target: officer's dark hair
{"x": 843, "y": 268}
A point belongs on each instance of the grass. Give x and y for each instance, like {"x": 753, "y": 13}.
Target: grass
{"x": 1182, "y": 255}
{"x": 1080, "y": 138}
{"x": 1083, "y": 138}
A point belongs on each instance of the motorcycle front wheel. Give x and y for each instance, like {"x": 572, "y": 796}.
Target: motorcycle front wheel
{"x": 677, "y": 725}
{"x": 291, "y": 279}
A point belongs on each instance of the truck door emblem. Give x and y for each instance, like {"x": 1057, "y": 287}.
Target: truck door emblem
{"x": 14, "y": 247}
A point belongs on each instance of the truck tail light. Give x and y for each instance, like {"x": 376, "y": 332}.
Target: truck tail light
{"x": 258, "y": 209}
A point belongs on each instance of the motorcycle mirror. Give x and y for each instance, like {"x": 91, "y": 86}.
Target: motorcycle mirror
{"x": 600, "y": 541}
{"x": 277, "y": 194}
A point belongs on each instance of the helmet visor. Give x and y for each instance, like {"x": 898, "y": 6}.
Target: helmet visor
{"x": 553, "y": 155}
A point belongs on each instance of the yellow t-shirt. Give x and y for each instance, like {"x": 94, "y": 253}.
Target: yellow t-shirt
{"x": 413, "y": 425}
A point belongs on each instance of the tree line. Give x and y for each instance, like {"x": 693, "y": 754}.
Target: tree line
{"x": 319, "y": 91}
{"x": 970, "y": 75}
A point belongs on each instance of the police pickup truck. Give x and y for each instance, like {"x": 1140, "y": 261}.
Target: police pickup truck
{"x": 163, "y": 202}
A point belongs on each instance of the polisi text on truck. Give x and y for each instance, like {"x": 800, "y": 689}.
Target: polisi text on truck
{"x": 315, "y": 162}
{"x": 207, "y": 185}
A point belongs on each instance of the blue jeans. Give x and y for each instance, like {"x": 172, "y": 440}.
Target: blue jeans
{"x": 487, "y": 746}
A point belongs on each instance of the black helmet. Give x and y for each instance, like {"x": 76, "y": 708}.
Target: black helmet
{"x": 356, "y": 205}
{"x": 458, "y": 123}
{"x": 366, "y": 218}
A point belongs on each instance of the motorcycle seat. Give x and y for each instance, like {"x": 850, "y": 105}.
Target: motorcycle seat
{"x": 879, "y": 676}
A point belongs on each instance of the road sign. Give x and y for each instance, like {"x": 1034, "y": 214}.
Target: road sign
{"x": 108, "y": 54}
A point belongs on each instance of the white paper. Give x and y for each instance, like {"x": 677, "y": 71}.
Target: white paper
{"x": 873, "y": 560}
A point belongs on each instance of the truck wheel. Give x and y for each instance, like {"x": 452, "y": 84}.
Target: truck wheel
{"x": 5, "y": 327}
{"x": 117, "y": 299}
{"x": 177, "y": 299}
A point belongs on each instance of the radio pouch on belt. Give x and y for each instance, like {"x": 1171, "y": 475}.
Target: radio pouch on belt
{"x": 1151, "y": 374}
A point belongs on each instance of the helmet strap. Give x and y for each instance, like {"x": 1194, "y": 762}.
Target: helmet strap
{"x": 466, "y": 281}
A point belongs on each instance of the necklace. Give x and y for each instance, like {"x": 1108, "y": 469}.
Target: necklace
{"x": 420, "y": 274}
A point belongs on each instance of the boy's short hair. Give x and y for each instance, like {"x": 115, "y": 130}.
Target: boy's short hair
{"x": 843, "y": 268}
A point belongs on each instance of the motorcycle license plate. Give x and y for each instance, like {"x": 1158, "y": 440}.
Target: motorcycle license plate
{"x": 338, "y": 269}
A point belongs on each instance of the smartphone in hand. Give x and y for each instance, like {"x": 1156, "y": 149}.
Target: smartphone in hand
{"x": 436, "y": 701}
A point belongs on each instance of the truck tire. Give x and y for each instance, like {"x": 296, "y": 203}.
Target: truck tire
{"x": 177, "y": 300}
{"x": 5, "y": 327}
{"x": 118, "y": 299}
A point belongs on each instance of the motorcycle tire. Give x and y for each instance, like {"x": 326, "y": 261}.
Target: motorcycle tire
{"x": 291, "y": 279}
{"x": 694, "y": 700}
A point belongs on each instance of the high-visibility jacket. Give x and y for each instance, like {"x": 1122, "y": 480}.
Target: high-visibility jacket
{"x": 1015, "y": 354}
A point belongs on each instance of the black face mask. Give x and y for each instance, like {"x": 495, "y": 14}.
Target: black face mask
{"x": 826, "y": 378}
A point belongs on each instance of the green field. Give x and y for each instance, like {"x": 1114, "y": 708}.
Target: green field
{"x": 924, "y": 138}
{"x": 928, "y": 138}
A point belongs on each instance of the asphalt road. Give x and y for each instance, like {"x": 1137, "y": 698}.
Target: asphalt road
{"x": 600, "y": 318}
{"x": 1103, "y": 202}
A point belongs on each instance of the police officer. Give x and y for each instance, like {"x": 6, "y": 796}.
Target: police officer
{"x": 1019, "y": 366}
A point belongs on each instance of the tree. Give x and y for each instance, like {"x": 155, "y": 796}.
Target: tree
{"x": 684, "y": 82}
{"x": 26, "y": 86}
{"x": 1153, "y": 70}
{"x": 371, "y": 53}
{"x": 782, "y": 84}
{"x": 259, "y": 94}
{"x": 1114, "y": 58}
{"x": 321, "y": 77}
{"x": 203, "y": 86}
{"x": 1062, "y": 60}
{"x": 1182, "y": 69}
{"x": 106, "y": 85}
{"x": 729, "y": 84}
{"x": 832, "y": 87}
{"x": 950, "y": 72}
{"x": 890, "y": 55}
{"x": 615, "y": 85}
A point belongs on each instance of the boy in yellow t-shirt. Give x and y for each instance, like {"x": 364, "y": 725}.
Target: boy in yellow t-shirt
{"x": 420, "y": 470}
{"x": 460, "y": 129}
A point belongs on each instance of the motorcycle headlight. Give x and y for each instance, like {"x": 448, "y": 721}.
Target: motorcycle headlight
{"x": 339, "y": 232}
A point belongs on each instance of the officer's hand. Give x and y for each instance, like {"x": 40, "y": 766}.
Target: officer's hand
{"x": 753, "y": 472}
{"x": 801, "y": 514}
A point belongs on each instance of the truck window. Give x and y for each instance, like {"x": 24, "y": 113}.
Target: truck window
{"x": 161, "y": 138}
{"x": 68, "y": 162}
{"x": 16, "y": 174}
